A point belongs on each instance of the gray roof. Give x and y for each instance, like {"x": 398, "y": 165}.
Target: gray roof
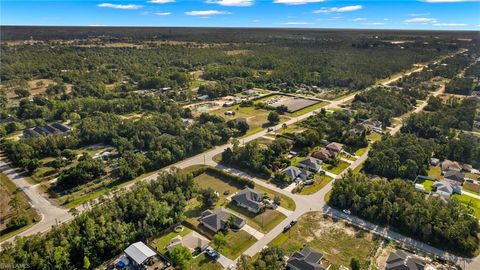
{"x": 306, "y": 259}
{"x": 249, "y": 197}
{"x": 454, "y": 175}
{"x": 443, "y": 187}
{"x": 294, "y": 172}
{"x": 402, "y": 260}
{"x": 217, "y": 219}
{"x": 139, "y": 252}
{"x": 312, "y": 163}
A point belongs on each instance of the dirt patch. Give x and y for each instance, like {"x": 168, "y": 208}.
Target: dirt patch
{"x": 238, "y": 52}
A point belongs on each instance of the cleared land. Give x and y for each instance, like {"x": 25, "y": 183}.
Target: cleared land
{"x": 338, "y": 241}
{"x": 320, "y": 182}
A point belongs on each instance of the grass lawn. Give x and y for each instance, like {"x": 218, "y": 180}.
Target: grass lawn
{"x": 358, "y": 169}
{"x": 327, "y": 196}
{"x": 162, "y": 242}
{"x": 201, "y": 262}
{"x": 435, "y": 172}
{"x": 338, "y": 241}
{"x": 473, "y": 203}
{"x": 262, "y": 222}
{"x": 218, "y": 184}
{"x": 285, "y": 201}
{"x": 361, "y": 151}
{"x": 309, "y": 109}
{"x": 342, "y": 165}
{"x": 320, "y": 182}
{"x": 237, "y": 243}
{"x": 427, "y": 184}
{"x": 374, "y": 136}
{"x": 471, "y": 187}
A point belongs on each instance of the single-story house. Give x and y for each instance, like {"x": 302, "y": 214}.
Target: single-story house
{"x": 249, "y": 199}
{"x": 444, "y": 188}
{"x": 295, "y": 173}
{"x": 250, "y": 92}
{"x": 434, "y": 161}
{"x": 402, "y": 260}
{"x": 455, "y": 176}
{"x": 217, "y": 219}
{"x": 448, "y": 165}
{"x": 138, "y": 253}
{"x": 192, "y": 241}
{"x": 307, "y": 259}
{"x": 311, "y": 163}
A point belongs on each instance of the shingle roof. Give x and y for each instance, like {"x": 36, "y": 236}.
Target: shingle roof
{"x": 219, "y": 217}
{"x": 249, "y": 197}
{"x": 443, "y": 186}
{"x": 306, "y": 259}
{"x": 402, "y": 260}
{"x": 335, "y": 146}
{"x": 294, "y": 172}
{"x": 311, "y": 162}
{"x": 454, "y": 175}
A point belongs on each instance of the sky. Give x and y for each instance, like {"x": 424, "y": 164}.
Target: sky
{"x": 370, "y": 14}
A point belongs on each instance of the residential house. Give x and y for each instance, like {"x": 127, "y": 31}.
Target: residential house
{"x": 307, "y": 259}
{"x": 311, "y": 164}
{"x": 295, "y": 173}
{"x": 193, "y": 241}
{"x": 448, "y": 165}
{"x": 402, "y": 260}
{"x": 217, "y": 219}
{"x": 443, "y": 188}
{"x": 250, "y": 92}
{"x": 467, "y": 167}
{"x": 249, "y": 199}
{"x": 372, "y": 124}
{"x": 323, "y": 154}
{"x": 455, "y": 176}
{"x": 335, "y": 147}
{"x": 434, "y": 161}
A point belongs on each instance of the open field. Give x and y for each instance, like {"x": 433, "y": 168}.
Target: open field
{"x": 471, "y": 202}
{"x": 262, "y": 222}
{"x": 237, "y": 243}
{"x": 338, "y": 241}
{"x": 342, "y": 165}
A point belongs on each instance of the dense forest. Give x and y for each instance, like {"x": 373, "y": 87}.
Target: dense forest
{"x": 399, "y": 204}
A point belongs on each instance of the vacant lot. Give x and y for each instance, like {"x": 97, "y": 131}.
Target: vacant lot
{"x": 13, "y": 204}
{"x": 342, "y": 165}
{"x": 338, "y": 241}
{"x": 262, "y": 222}
{"x": 470, "y": 202}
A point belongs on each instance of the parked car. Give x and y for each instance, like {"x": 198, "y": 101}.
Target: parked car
{"x": 293, "y": 222}
{"x": 346, "y": 211}
{"x": 270, "y": 129}
{"x": 212, "y": 253}
{"x": 286, "y": 228}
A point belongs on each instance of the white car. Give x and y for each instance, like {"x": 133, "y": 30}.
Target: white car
{"x": 346, "y": 211}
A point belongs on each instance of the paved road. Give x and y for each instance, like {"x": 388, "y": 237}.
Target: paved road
{"x": 50, "y": 213}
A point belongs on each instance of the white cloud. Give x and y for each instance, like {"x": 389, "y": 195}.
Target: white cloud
{"x": 450, "y": 24}
{"x": 419, "y": 14}
{"x": 359, "y": 19}
{"x": 450, "y": 1}
{"x": 296, "y": 23}
{"x": 296, "y": 2}
{"x": 206, "y": 13}
{"x": 338, "y": 9}
{"x": 161, "y": 1}
{"x": 231, "y": 3}
{"x": 255, "y": 21}
{"x": 120, "y": 6}
{"x": 374, "y": 23}
{"x": 162, "y": 13}
{"x": 421, "y": 20}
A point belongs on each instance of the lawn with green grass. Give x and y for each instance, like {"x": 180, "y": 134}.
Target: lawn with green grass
{"x": 262, "y": 222}
{"x": 161, "y": 243}
{"x": 470, "y": 202}
{"x": 320, "y": 182}
{"x": 222, "y": 185}
{"x": 427, "y": 184}
{"x": 285, "y": 201}
{"x": 338, "y": 241}
{"x": 202, "y": 262}
{"x": 342, "y": 165}
{"x": 237, "y": 243}
{"x": 361, "y": 151}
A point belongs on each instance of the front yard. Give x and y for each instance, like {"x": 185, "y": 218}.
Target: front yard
{"x": 320, "y": 182}
{"x": 342, "y": 165}
{"x": 262, "y": 222}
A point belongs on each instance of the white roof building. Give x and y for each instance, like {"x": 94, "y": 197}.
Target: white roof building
{"x": 139, "y": 252}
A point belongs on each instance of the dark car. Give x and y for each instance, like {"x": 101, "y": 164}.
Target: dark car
{"x": 212, "y": 253}
{"x": 293, "y": 222}
{"x": 286, "y": 228}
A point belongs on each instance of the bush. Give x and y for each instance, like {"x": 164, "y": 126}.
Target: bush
{"x": 18, "y": 222}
